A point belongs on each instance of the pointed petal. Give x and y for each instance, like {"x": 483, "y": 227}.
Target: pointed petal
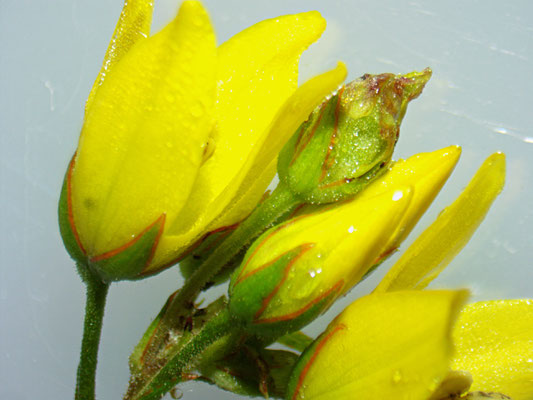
{"x": 439, "y": 244}
{"x": 383, "y": 346}
{"x": 263, "y": 167}
{"x": 494, "y": 342}
{"x": 257, "y": 73}
{"x": 133, "y": 25}
{"x": 426, "y": 173}
{"x": 141, "y": 145}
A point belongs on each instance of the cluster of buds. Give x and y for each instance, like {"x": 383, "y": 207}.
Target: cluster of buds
{"x": 179, "y": 142}
{"x": 297, "y": 269}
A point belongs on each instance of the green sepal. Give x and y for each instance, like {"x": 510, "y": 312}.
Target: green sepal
{"x": 127, "y": 262}
{"x": 130, "y": 262}
{"x": 251, "y": 372}
{"x": 248, "y": 293}
{"x": 348, "y": 140}
{"x": 65, "y": 227}
{"x": 274, "y": 330}
{"x": 301, "y": 364}
{"x": 302, "y": 163}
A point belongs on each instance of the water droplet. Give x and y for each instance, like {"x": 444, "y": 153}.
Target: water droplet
{"x": 397, "y": 376}
{"x": 351, "y": 229}
{"x": 397, "y": 195}
{"x": 176, "y": 394}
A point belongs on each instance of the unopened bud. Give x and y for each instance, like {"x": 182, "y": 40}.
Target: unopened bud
{"x": 348, "y": 139}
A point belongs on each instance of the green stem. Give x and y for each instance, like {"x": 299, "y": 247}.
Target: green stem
{"x": 92, "y": 327}
{"x": 280, "y": 202}
{"x": 170, "y": 375}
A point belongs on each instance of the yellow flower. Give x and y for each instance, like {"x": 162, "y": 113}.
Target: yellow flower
{"x": 494, "y": 343}
{"x": 383, "y": 346}
{"x": 180, "y": 137}
{"x": 398, "y": 343}
{"x": 297, "y": 269}
{"x": 402, "y": 344}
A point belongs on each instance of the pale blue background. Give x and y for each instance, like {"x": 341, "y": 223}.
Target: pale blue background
{"x": 479, "y": 97}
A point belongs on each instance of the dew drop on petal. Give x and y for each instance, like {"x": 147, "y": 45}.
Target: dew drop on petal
{"x": 396, "y": 376}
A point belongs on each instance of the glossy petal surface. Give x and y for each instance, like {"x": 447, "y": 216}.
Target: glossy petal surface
{"x": 133, "y": 25}
{"x": 494, "y": 342}
{"x": 383, "y": 346}
{"x": 257, "y": 72}
{"x": 425, "y": 173}
{"x": 263, "y": 167}
{"x": 444, "y": 239}
{"x": 141, "y": 145}
{"x": 340, "y": 245}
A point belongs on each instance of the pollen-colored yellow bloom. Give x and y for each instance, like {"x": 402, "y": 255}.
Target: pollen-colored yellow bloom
{"x": 383, "y": 346}
{"x": 368, "y": 353}
{"x": 177, "y": 129}
{"x": 444, "y": 239}
{"x": 408, "y": 354}
{"x": 494, "y": 343}
{"x": 297, "y": 269}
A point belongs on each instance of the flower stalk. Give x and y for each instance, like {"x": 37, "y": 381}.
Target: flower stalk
{"x": 279, "y": 203}
{"x": 92, "y": 328}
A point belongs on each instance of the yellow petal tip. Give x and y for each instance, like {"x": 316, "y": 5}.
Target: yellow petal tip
{"x": 341, "y": 69}
{"x": 497, "y": 161}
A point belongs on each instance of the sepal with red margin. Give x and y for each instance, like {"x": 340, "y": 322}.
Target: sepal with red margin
{"x": 129, "y": 261}
{"x": 251, "y": 293}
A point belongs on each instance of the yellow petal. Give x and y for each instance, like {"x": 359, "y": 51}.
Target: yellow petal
{"x": 433, "y": 250}
{"x": 426, "y": 173}
{"x": 257, "y": 72}
{"x": 263, "y": 169}
{"x": 133, "y": 25}
{"x": 141, "y": 144}
{"x": 344, "y": 243}
{"x": 383, "y": 346}
{"x": 494, "y": 342}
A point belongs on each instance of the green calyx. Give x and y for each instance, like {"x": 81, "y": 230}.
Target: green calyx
{"x": 126, "y": 262}
{"x": 255, "y": 301}
{"x": 348, "y": 140}
{"x": 66, "y": 225}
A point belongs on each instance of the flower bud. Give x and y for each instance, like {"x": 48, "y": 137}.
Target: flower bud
{"x": 349, "y": 139}
{"x": 294, "y": 271}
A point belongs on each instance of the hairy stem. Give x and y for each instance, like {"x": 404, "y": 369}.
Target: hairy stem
{"x": 92, "y": 328}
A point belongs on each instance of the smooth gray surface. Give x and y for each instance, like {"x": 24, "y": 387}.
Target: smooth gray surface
{"x": 479, "y": 97}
